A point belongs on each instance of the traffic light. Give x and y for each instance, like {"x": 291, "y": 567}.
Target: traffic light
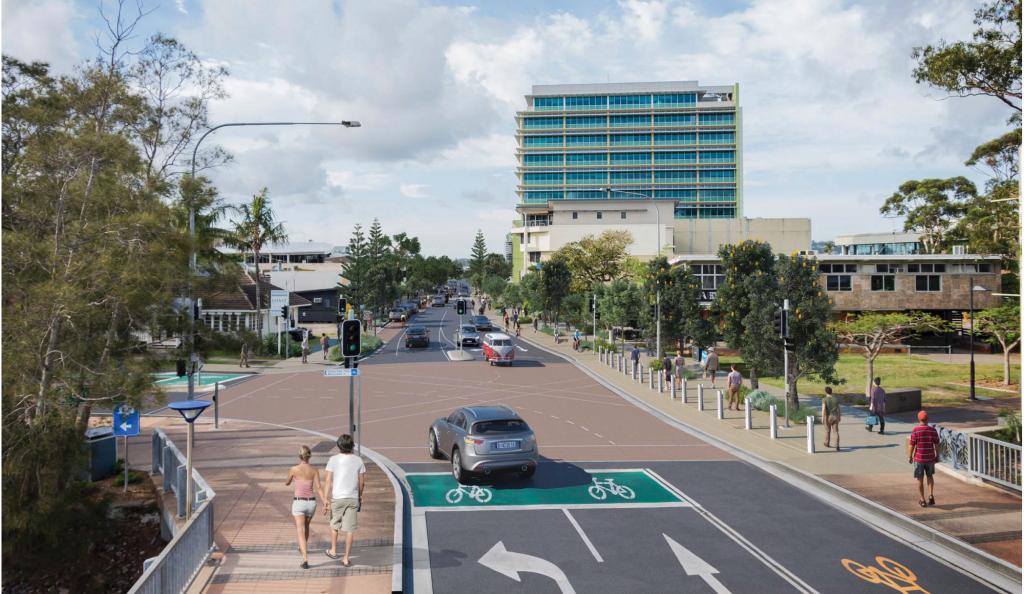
{"x": 460, "y": 307}
{"x": 343, "y": 307}
{"x": 597, "y": 315}
{"x": 284, "y": 312}
{"x": 591, "y": 305}
{"x": 180, "y": 367}
{"x": 350, "y": 342}
{"x": 653, "y": 310}
{"x": 789, "y": 343}
{"x": 197, "y": 309}
{"x": 778, "y": 326}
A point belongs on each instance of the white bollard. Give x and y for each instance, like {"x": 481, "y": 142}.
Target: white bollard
{"x": 810, "y": 435}
{"x": 650, "y": 378}
{"x": 773, "y": 423}
{"x": 684, "y": 390}
{"x": 673, "y": 388}
{"x": 622, "y": 364}
{"x": 700, "y": 396}
{"x": 641, "y": 371}
{"x": 634, "y": 365}
{"x": 661, "y": 382}
{"x": 746, "y": 410}
{"x": 721, "y": 411}
{"x": 600, "y": 353}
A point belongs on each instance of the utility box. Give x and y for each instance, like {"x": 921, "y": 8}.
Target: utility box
{"x": 898, "y": 401}
{"x": 102, "y": 452}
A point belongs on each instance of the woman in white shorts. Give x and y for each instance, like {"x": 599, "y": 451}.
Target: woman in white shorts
{"x": 306, "y": 477}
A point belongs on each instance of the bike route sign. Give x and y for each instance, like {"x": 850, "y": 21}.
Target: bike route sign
{"x": 608, "y": 488}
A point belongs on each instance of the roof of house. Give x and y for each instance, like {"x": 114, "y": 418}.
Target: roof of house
{"x": 241, "y": 296}
{"x": 301, "y": 247}
{"x": 306, "y": 280}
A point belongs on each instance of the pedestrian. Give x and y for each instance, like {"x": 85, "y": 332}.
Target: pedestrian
{"x": 666, "y": 366}
{"x": 733, "y": 382}
{"x": 679, "y": 362}
{"x": 647, "y": 343}
{"x": 634, "y": 356}
{"x": 305, "y": 346}
{"x": 924, "y": 444}
{"x": 831, "y": 414}
{"x": 878, "y": 405}
{"x": 535, "y": 320}
{"x": 345, "y": 481}
{"x": 506, "y": 324}
{"x": 576, "y": 340}
{"x": 712, "y": 366}
{"x": 306, "y": 478}
{"x": 324, "y": 344}
{"x": 519, "y": 329}
{"x": 556, "y": 333}
{"x": 515, "y": 318}
{"x": 244, "y": 360}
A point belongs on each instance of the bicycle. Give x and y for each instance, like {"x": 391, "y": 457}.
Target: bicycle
{"x": 474, "y": 492}
{"x": 600, "y": 490}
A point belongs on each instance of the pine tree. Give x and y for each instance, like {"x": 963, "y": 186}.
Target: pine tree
{"x": 357, "y": 271}
{"x": 381, "y": 282}
{"x": 478, "y": 256}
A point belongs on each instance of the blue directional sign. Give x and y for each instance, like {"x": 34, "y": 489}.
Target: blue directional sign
{"x": 341, "y": 373}
{"x": 126, "y": 420}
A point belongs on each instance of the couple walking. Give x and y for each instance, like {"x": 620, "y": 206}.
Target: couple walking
{"x": 343, "y": 499}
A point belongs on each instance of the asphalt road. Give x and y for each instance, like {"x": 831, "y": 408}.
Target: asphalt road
{"x": 699, "y": 519}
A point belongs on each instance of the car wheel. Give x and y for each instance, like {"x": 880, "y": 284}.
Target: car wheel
{"x": 432, "y": 447}
{"x": 529, "y": 473}
{"x": 460, "y": 475}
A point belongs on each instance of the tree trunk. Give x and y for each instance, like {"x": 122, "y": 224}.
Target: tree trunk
{"x": 259, "y": 315}
{"x": 115, "y": 320}
{"x": 47, "y": 375}
{"x": 871, "y": 373}
{"x": 794, "y": 396}
{"x": 754, "y": 385}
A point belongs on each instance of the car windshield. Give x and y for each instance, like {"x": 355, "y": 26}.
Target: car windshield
{"x": 469, "y": 329}
{"x": 398, "y": 311}
{"x": 502, "y": 343}
{"x": 500, "y": 426}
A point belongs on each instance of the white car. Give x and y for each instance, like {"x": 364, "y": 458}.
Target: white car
{"x": 467, "y": 335}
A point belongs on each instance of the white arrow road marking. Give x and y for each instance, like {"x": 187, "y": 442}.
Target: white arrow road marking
{"x": 522, "y": 349}
{"x": 694, "y": 565}
{"x": 510, "y": 564}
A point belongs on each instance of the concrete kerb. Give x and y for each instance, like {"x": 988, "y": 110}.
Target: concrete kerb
{"x": 979, "y": 564}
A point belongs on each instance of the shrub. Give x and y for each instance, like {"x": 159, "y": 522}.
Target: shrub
{"x": 655, "y": 365}
{"x": 762, "y": 400}
{"x": 133, "y": 477}
{"x": 600, "y": 342}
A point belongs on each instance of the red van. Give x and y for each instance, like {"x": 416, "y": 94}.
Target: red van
{"x": 498, "y": 348}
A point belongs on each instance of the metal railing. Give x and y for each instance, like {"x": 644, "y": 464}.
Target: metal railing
{"x": 990, "y": 459}
{"x": 173, "y": 571}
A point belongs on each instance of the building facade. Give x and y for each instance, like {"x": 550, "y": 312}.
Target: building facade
{"x": 864, "y": 244}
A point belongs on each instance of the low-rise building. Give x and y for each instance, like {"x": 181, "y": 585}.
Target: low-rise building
{"x": 866, "y": 244}
{"x": 319, "y": 287}
{"x": 309, "y": 252}
{"x": 232, "y": 307}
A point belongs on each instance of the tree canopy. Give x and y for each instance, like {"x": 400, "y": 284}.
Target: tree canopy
{"x": 596, "y": 259}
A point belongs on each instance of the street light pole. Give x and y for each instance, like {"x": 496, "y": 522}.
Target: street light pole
{"x": 657, "y": 255}
{"x": 192, "y": 225}
{"x": 971, "y": 280}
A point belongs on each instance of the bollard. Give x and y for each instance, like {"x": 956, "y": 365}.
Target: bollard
{"x": 216, "y": 405}
{"x": 621, "y": 364}
{"x": 157, "y": 453}
{"x": 600, "y": 354}
{"x": 746, "y": 411}
{"x": 650, "y": 378}
{"x": 673, "y": 388}
{"x": 810, "y": 435}
{"x": 641, "y": 367}
{"x": 168, "y": 467}
{"x": 684, "y": 390}
{"x": 182, "y": 490}
{"x": 773, "y": 427}
{"x": 636, "y": 367}
{"x": 661, "y": 382}
{"x": 700, "y": 396}
{"x": 721, "y": 411}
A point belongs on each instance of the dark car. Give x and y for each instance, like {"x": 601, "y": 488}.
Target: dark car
{"x": 417, "y": 336}
{"x": 482, "y": 323}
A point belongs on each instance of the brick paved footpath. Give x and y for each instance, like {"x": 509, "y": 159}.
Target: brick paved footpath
{"x": 246, "y": 464}
{"x": 873, "y": 466}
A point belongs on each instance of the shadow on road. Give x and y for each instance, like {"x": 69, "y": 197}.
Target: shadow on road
{"x": 550, "y": 475}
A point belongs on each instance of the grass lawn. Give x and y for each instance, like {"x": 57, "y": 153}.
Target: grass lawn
{"x": 897, "y": 373}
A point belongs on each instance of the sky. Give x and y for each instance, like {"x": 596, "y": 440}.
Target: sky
{"x": 833, "y": 121}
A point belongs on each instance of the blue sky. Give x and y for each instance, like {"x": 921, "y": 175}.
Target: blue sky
{"x": 833, "y": 122}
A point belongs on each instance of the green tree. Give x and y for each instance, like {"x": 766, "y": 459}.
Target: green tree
{"x": 512, "y": 295}
{"x": 683, "y": 320}
{"x": 478, "y": 256}
{"x": 497, "y": 265}
{"x": 620, "y": 302}
{"x": 404, "y": 251}
{"x": 596, "y": 259}
{"x": 930, "y": 207}
{"x": 494, "y": 286}
{"x": 1002, "y": 324}
{"x": 357, "y": 272}
{"x": 256, "y": 227}
{"x": 734, "y": 297}
{"x": 532, "y": 292}
{"x": 870, "y": 332}
{"x": 829, "y": 246}
{"x": 382, "y": 287}
{"x": 577, "y": 308}
{"x": 555, "y": 280}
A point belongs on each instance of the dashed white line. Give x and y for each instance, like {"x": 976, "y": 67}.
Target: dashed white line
{"x": 599, "y": 435}
{"x": 584, "y": 428}
{"x": 611, "y": 442}
{"x": 570, "y": 422}
{"x": 554, "y": 417}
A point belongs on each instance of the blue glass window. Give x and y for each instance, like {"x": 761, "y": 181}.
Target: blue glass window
{"x": 587, "y": 122}
{"x": 718, "y": 194}
{"x": 663, "y": 177}
{"x": 632, "y": 195}
{"x": 542, "y": 179}
{"x": 686, "y": 212}
{"x": 685, "y": 157}
{"x": 717, "y": 138}
{"x": 675, "y": 119}
{"x": 717, "y": 212}
{"x": 677, "y": 100}
{"x": 630, "y": 139}
{"x": 547, "y": 104}
{"x": 717, "y": 156}
{"x": 624, "y": 101}
{"x": 630, "y": 121}
{"x": 586, "y": 195}
{"x": 621, "y": 177}
{"x": 533, "y": 123}
{"x": 586, "y": 177}
{"x": 535, "y": 141}
{"x": 543, "y": 160}
{"x": 587, "y": 159}
{"x": 631, "y": 158}
{"x": 535, "y": 197}
{"x": 589, "y": 102}
{"x": 685, "y": 138}
{"x": 684, "y": 195}
{"x": 718, "y": 175}
{"x": 717, "y": 119}
{"x": 586, "y": 140}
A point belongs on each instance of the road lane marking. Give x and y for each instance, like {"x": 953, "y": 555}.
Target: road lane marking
{"x": 510, "y": 564}
{"x": 694, "y": 565}
{"x": 611, "y": 442}
{"x": 522, "y": 349}
{"x": 554, "y": 417}
{"x": 258, "y": 389}
{"x": 599, "y": 435}
{"x": 583, "y": 535}
{"x": 584, "y": 428}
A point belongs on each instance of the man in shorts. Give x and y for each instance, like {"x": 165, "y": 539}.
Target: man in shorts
{"x": 712, "y": 365}
{"x": 733, "y": 382}
{"x": 345, "y": 481}
{"x": 924, "y": 452}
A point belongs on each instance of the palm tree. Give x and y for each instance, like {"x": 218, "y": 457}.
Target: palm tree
{"x": 829, "y": 246}
{"x": 256, "y": 228}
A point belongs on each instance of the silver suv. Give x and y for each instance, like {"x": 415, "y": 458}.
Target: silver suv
{"x": 467, "y": 335}
{"x": 484, "y": 439}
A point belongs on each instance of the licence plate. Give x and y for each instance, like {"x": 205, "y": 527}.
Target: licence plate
{"x": 506, "y": 445}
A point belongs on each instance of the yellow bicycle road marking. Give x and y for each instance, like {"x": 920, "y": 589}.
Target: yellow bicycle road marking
{"x": 889, "y": 573}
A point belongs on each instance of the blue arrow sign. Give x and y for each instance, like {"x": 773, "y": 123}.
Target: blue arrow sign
{"x": 126, "y": 420}
{"x": 341, "y": 372}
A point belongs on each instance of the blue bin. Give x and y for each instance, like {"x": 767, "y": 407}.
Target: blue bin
{"x": 102, "y": 452}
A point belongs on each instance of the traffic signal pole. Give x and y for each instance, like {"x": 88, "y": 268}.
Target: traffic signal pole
{"x": 785, "y": 353}
{"x": 351, "y": 395}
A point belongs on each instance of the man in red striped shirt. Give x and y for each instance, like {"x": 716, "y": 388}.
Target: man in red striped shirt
{"x": 924, "y": 452}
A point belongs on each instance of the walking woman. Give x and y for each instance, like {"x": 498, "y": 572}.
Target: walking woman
{"x": 306, "y": 478}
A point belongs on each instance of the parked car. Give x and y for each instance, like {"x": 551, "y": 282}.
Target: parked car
{"x": 467, "y": 335}
{"x": 482, "y": 323}
{"x": 484, "y": 439}
{"x": 410, "y": 308}
{"x": 396, "y": 314}
{"x": 498, "y": 348}
{"x": 416, "y": 336}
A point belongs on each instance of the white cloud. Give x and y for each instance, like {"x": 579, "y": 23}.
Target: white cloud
{"x": 413, "y": 190}
{"x": 645, "y": 19}
{"x": 41, "y": 30}
{"x": 181, "y": 6}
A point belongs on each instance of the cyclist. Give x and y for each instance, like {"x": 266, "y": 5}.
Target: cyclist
{"x": 556, "y": 333}
{"x": 576, "y": 341}
{"x": 403, "y": 320}
{"x": 519, "y": 329}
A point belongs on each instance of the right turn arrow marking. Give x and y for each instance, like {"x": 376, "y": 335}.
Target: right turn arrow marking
{"x": 694, "y": 565}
